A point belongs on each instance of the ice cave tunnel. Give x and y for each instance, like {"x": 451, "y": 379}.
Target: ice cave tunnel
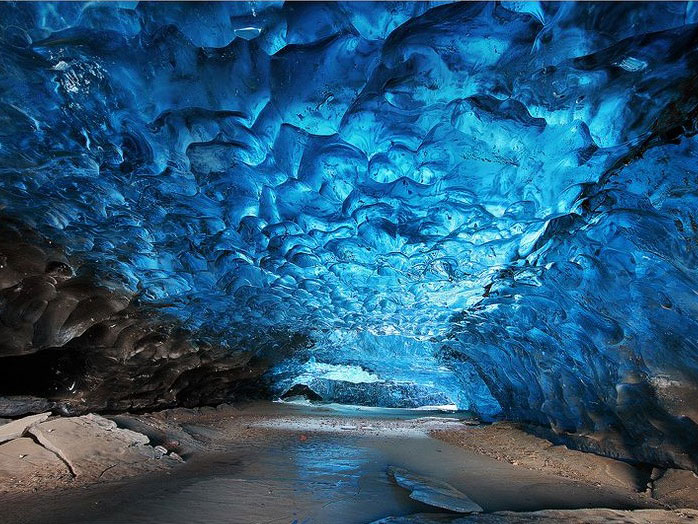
{"x": 487, "y": 205}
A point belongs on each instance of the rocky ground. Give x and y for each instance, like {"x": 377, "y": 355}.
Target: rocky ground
{"x": 45, "y": 452}
{"x": 511, "y": 443}
{"x": 58, "y": 456}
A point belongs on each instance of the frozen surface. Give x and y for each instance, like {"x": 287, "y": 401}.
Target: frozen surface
{"x": 433, "y": 492}
{"x": 499, "y": 199}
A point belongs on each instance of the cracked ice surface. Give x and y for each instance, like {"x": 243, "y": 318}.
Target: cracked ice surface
{"x": 509, "y": 188}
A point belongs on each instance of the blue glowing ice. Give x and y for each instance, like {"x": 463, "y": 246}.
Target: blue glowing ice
{"x": 499, "y": 200}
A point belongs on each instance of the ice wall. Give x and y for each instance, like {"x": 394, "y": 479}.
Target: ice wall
{"x": 509, "y": 189}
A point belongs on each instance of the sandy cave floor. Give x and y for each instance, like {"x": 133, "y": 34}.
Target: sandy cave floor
{"x": 267, "y": 462}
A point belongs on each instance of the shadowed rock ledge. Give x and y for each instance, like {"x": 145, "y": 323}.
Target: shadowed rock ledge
{"x": 72, "y": 345}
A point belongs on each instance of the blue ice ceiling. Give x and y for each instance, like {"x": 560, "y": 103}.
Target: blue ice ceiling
{"x": 495, "y": 202}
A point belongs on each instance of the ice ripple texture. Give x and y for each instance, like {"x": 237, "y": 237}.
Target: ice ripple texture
{"x": 510, "y": 188}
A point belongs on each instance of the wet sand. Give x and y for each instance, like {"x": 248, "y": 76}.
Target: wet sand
{"x": 267, "y": 463}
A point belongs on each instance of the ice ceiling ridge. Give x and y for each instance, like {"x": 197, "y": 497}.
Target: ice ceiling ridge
{"x": 504, "y": 192}
{"x": 366, "y": 178}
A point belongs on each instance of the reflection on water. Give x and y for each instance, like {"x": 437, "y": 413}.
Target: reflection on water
{"x": 314, "y": 481}
{"x": 322, "y": 463}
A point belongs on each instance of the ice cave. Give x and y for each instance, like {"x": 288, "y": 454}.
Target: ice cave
{"x": 343, "y": 235}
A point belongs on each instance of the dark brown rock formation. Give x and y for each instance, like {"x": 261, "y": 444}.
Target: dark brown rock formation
{"x": 71, "y": 344}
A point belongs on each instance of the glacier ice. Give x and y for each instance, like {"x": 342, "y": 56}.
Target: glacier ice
{"x": 433, "y": 492}
{"x": 493, "y": 200}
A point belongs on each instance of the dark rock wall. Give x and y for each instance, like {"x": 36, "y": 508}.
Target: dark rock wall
{"x": 86, "y": 347}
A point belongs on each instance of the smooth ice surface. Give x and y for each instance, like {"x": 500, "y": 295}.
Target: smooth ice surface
{"x": 433, "y": 492}
{"x": 505, "y": 191}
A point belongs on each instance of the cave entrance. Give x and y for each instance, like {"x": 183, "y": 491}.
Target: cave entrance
{"x": 372, "y": 369}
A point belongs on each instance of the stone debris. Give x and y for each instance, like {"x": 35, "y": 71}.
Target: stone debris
{"x": 165, "y": 433}
{"x": 17, "y": 428}
{"x": 433, "y": 492}
{"x": 176, "y": 457}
